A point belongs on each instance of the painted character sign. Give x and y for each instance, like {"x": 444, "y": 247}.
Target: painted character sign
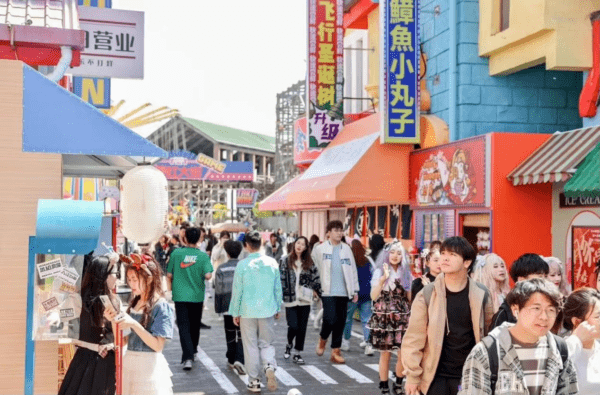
{"x": 450, "y": 175}
{"x": 586, "y": 252}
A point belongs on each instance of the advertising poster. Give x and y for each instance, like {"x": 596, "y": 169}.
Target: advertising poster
{"x": 371, "y": 218}
{"x": 381, "y": 219}
{"x": 304, "y": 154}
{"x": 395, "y": 215}
{"x": 348, "y": 221}
{"x": 449, "y": 175}
{"x": 399, "y": 108}
{"x": 358, "y": 221}
{"x": 586, "y": 252}
{"x": 246, "y": 198}
{"x": 325, "y": 82}
{"x": 187, "y": 166}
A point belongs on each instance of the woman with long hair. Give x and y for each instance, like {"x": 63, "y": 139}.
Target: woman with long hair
{"x": 583, "y": 305}
{"x": 299, "y": 282}
{"x": 390, "y": 289}
{"x": 150, "y": 317}
{"x": 494, "y": 276}
{"x": 376, "y": 245}
{"x": 557, "y": 274}
{"x": 433, "y": 261}
{"x": 92, "y": 370}
{"x": 365, "y": 268}
{"x": 314, "y": 239}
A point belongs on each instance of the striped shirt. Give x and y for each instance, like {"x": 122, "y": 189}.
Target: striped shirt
{"x": 533, "y": 358}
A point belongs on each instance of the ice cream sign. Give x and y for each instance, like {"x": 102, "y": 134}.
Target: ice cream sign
{"x": 449, "y": 175}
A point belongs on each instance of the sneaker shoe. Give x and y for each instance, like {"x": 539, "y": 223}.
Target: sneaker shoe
{"x": 187, "y": 365}
{"x": 230, "y": 365}
{"x": 363, "y": 344}
{"x": 398, "y": 389}
{"x": 271, "y": 379}
{"x": 298, "y": 359}
{"x": 204, "y": 326}
{"x": 254, "y": 385}
{"x": 288, "y": 351}
{"x": 239, "y": 368}
{"x": 345, "y": 345}
{"x": 384, "y": 387}
{"x": 369, "y": 350}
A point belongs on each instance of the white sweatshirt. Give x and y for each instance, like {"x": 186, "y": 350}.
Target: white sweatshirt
{"x": 587, "y": 364}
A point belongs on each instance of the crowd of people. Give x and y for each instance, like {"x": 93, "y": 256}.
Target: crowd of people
{"x": 454, "y": 326}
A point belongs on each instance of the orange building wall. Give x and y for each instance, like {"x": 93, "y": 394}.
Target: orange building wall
{"x": 521, "y": 215}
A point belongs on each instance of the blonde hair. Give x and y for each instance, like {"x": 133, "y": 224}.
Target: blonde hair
{"x": 486, "y": 277}
{"x": 562, "y": 287}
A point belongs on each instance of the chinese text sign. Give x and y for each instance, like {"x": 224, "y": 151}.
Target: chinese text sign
{"x": 586, "y": 252}
{"x": 400, "y": 71}
{"x": 325, "y": 83}
{"x": 114, "y": 43}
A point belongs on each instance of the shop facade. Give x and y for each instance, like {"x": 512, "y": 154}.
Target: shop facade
{"x": 568, "y": 164}
{"x": 462, "y": 189}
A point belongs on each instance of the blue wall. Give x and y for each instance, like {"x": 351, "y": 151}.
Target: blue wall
{"x": 532, "y": 100}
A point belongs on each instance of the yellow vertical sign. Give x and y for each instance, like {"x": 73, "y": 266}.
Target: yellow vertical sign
{"x": 93, "y": 88}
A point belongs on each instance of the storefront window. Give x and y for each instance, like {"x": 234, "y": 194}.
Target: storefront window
{"x": 504, "y": 14}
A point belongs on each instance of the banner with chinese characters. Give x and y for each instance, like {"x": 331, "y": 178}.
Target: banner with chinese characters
{"x": 399, "y": 106}
{"x": 114, "y": 43}
{"x": 586, "y": 252}
{"x": 304, "y": 155}
{"x": 325, "y": 83}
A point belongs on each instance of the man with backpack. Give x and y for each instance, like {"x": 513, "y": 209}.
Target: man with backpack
{"x": 448, "y": 317}
{"x": 526, "y": 267}
{"x": 523, "y": 358}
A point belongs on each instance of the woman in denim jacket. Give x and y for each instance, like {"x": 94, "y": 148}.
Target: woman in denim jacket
{"x": 150, "y": 318}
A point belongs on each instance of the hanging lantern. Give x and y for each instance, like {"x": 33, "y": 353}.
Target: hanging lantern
{"x": 144, "y": 204}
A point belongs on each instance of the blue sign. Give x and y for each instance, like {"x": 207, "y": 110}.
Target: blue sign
{"x": 400, "y": 71}
{"x": 95, "y": 91}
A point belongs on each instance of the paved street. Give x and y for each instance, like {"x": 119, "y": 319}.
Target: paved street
{"x": 212, "y": 377}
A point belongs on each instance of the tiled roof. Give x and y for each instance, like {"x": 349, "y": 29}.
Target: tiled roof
{"x": 60, "y": 14}
{"x": 227, "y": 135}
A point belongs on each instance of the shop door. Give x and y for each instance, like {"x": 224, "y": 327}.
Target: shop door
{"x": 476, "y": 229}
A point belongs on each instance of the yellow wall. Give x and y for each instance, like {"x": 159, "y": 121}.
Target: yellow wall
{"x": 373, "y": 84}
{"x": 555, "y": 32}
{"x": 25, "y": 177}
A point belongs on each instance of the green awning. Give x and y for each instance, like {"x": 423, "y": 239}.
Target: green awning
{"x": 586, "y": 180}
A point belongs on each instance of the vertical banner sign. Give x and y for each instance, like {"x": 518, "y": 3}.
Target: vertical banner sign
{"x": 95, "y": 91}
{"x": 325, "y": 83}
{"x": 399, "y": 106}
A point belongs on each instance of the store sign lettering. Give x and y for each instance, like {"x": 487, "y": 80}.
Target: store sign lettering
{"x": 325, "y": 81}
{"x": 578, "y": 201}
{"x": 400, "y": 75}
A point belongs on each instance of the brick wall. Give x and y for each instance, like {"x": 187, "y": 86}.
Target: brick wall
{"x": 532, "y": 100}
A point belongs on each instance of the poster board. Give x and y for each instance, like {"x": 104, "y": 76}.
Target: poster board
{"x": 586, "y": 252}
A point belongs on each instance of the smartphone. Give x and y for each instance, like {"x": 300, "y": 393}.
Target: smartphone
{"x": 109, "y": 306}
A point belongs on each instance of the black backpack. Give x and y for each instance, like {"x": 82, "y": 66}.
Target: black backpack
{"x": 490, "y": 345}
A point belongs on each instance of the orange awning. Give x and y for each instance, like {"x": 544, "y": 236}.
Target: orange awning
{"x": 355, "y": 168}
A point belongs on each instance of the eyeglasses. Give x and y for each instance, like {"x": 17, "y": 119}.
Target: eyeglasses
{"x": 551, "y": 312}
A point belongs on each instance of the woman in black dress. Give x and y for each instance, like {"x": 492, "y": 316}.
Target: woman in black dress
{"x": 92, "y": 370}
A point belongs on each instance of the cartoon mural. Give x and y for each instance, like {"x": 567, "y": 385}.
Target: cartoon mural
{"x": 450, "y": 175}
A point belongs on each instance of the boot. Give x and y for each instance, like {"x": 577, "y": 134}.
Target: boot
{"x": 336, "y": 356}
{"x": 321, "y": 346}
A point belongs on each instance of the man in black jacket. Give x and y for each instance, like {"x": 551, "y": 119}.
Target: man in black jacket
{"x": 223, "y": 288}
{"x": 526, "y": 267}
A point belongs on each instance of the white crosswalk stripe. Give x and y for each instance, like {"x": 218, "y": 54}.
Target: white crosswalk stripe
{"x": 214, "y": 370}
{"x": 318, "y": 374}
{"x": 353, "y": 374}
{"x": 285, "y": 378}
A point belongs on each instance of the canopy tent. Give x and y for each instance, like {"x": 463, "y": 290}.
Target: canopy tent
{"x": 586, "y": 180}
{"x": 355, "y": 168}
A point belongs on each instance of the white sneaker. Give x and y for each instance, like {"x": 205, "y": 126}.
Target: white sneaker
{"x": 271, "y": 379}
{"x": 345, "y": 345}
{"x": 369, "y": 350}
{"x": 239, "y": 368}
{"x": 187, "y": 365}
{"x": 363, "y": 344}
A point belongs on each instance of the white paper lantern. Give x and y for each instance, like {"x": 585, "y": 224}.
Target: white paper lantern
{"x": 144, "y": 204}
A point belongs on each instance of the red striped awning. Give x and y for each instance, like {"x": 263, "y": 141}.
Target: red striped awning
{"x": 556, "y": 160}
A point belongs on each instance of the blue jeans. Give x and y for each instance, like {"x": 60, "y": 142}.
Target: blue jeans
{"x": 364, "y": 306}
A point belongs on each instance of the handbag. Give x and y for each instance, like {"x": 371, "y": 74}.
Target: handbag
{"x": 305, "y": 294}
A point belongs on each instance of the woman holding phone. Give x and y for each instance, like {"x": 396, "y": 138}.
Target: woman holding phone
{"x": 92, "y": 370}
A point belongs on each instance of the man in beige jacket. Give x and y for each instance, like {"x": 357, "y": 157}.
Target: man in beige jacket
{"x": 448, "y": 317}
